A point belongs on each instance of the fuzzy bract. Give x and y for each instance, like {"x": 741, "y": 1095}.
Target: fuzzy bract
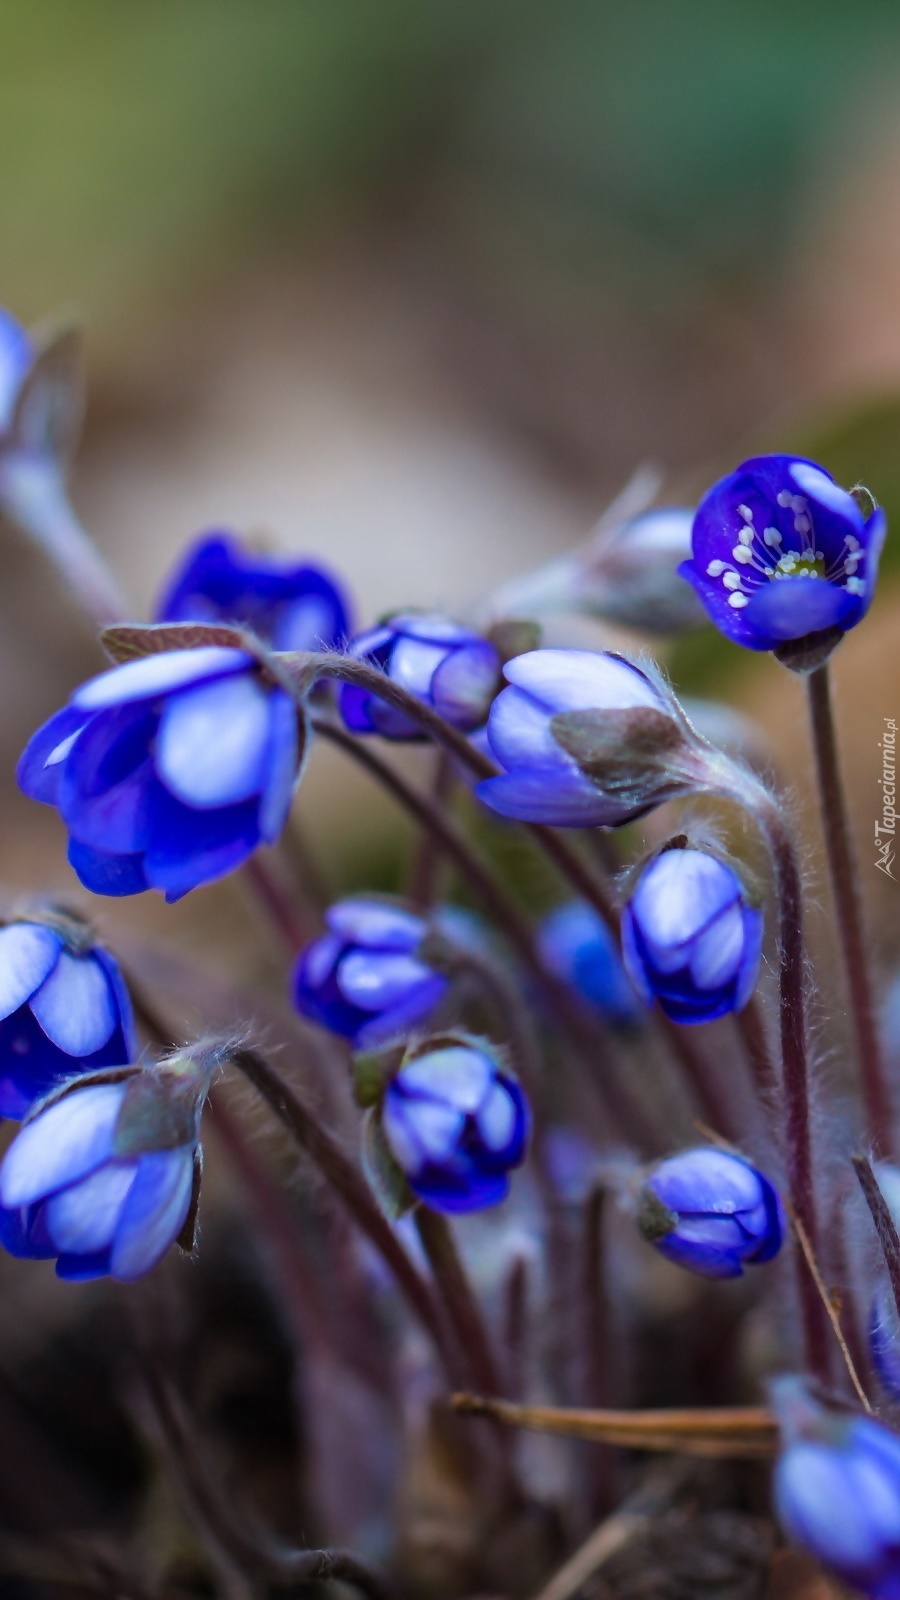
{"x": 456, "y": 1122}
{"x": 689, "y": 938}
{"x": 168, "y": 771}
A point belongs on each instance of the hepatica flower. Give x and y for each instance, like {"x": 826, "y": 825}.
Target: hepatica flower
{"x": 16, "y": 355}
{"x": 689, "y": 937}
{"x": 168, "y": 771}
{"x": 103, "y": 1176}
{"x": 454, "y": 671}
{"x": 587, "y": 739}
{"x": 63, "y": 1009}
{"x": 576, "y": 944}
{"x": 711, "y": 1212}
{"x": 363, "y": 978}
{"x": 456, "y": 1123}
{"x": 837, "y": 1490}
{"x": 289, "y": 605}
{"x": 780, "y": 553}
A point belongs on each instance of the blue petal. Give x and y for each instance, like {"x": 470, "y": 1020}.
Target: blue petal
{"x": 41, "y": 763}
{"x": 717, "y": 952}
{"x": 30, "y": 1066}
{"x": 158, "y": 675}
{"x": 82, "y": 1218}
{"x": 61, "y": 1145}
{"x": 563, "y": 799}
{"x": 413, "y": 664}
{"x": 436, "y": 1128}
{"x": 15, "y": 359}
{"x": 375, "y": 980}
{"x": 430, "y": 627}
{"x": 464, "y": 684}
{"x": 710, "y": 1246}
{"x": 375, "y": 924}
{"x": 496, "y": 1120}
{"x": 103, "y": 873}
{"x": 281, "y": 769}
{"x": 189, "y": 847}
{"x": 633, "y": 957}
{"x": 75, "y": 1005}
{"x": 457, "y": 1075}
{"x": 213, "y": 740}
{"x": 818, "y": 485}
{"x": 575, "y": 680}
{"x": 154, "y": 1212}
{"x": 520, "y": 735}
{"x": 28, "y": 954}
{"x": 678, "y": 895}
{"x": 81, "y": 1269}
{"x": 355, "y": 705}
{"x": 708, "y": 1181}
{"x": 458, "y": 1196}
{"x": 797, "y": 606}
{"x": 23, "y": 1233}
{"x": 104, "y": 788}
{"x": 397, "y": 1020}
{"x": 830, "y": 1503}
{"x": 122, "y": 1002}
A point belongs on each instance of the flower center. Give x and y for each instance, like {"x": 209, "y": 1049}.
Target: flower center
{"x": 760, "y": 557}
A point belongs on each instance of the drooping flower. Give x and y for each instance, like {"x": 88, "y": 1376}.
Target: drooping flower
{"x": 456, "y": 1122}
{"x": 168, "y": 771}
{"x": 837, "y": 1490}
{"x": 288, "y": 604}
{"x": 104, "y": 1175}
{"x": 453, "y": 670}
{"x": 783, "y": 559}
{"x": 63, "y": 1009}
{"x": 576, "y": 944}
{"x": 587, "y": 739}
{"x": 690, "y": 939}
{"x": 363, "y": 978}
{"x": 711, "y": 1212}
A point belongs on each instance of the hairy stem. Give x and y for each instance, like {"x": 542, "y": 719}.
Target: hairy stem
{"x": 463, "y": 1310}
{"x": 885, "y": 1226}
{"x": 848, "y": 903}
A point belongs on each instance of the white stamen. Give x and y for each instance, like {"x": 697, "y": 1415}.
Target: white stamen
{"x": 732, "y": 580}
{"x": 855, "y": 586}
{"x": 851, "y": 541}
{"x": 772, "y": 535}
{"x": 715, "y": 569}
{"x": 743, "y": 555}
{"x": 801, "y": 524}
{"x": 798, "y": 504}
{"x": 737, "y": 600}
{"x": 785, "y": 499}
{"x": 746, "y": 513}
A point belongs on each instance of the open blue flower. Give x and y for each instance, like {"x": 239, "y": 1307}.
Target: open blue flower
{"x": 543, "y": 782}
{"x": 837, "y": 1493}
{"x": 711, "y": 1212}
{"x": 689, "y": 937}
{"x": 168, "y": 771}
{"x": 456, "y": 1123}
{"x": 102, "y": 1177}
{"x": 780, "y": 553}
{"x": 363, "y": 978}
{"x": 16, "y": 355}
{"x": 63, "y": 1009}
{"x": 453, "y": 670}
{"x": 288, "y": 604}
{"x": 576, "y": 944}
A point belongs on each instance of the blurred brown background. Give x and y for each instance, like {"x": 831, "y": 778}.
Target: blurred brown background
{"x": 417, "y": 286}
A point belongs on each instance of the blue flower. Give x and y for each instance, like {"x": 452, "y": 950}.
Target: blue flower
{"x": 456, "y": 1123}
{"x": 689, "y": 938}
{"x": 168, "y": 771}
{"x": 543, "y": 782}
{"x": 837, "y": 1492}
{"x": 711, "y": 1212}
{"x": 781, "y": 553}
{"x": 576, "y": 944}
{"x": 454, "y": 671}
{"x": 289, "y": 605}
{"x": 63, "y": 1008}
{"x": 363, "y": 978}
{"x": 103, "y": 1175}
{"x": 16, "y": 355}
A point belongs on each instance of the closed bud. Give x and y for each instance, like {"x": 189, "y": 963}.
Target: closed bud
{"x": 711, "y": 1212}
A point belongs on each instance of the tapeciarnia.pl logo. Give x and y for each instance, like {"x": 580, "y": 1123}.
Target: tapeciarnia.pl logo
{"x": 886, "y": 829}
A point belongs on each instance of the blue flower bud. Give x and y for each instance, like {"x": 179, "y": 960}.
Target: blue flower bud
{"x": 689, "y": 938}
{"x": 711, "y": 1212}
{"x": 63, "y": 1008}
{"x": 16, "y": 354}
{"x": 289, "y": 605}
{"x": 576, "y": 944}
{"x": 454, "y": 671}
{"x": 363, "y": 978}
{"x": 456, "y": 1122}
{"x": 587, "y": 740}
{"x": 168, "y": 771}
{"x": 837, "y": 1490}
{"x": 104, "y": 1175}
{"x": 783, "y": 559}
